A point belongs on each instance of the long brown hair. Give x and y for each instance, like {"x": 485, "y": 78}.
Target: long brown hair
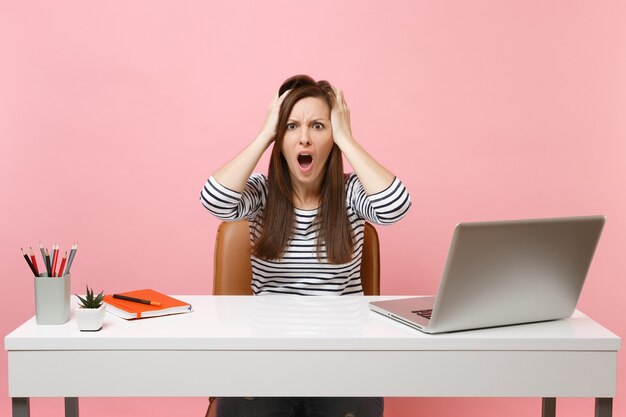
{"x": 278, "y": 217}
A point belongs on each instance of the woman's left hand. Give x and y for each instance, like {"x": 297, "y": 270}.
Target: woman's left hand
{"x": 340, "y": 119}
{"x": 371, "y": 173}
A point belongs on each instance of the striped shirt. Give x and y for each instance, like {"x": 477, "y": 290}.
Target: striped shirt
{"x": 300, "y": 271}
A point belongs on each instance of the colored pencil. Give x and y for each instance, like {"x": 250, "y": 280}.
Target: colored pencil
{"x": 43, "y": 255}
{"x": 62, "y": 264}
{"x": 55, "y": 257}
{"x": 70, "y": 260}
{"x": 30, "y": 264}
{"x": 32, "y": 258}
{"x": 48, "y": 262}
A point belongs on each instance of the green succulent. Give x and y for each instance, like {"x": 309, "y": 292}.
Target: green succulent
{"x": 90, "y": 301}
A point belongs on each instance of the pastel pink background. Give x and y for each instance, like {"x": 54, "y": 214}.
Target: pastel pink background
{"x": 114, "y": 113}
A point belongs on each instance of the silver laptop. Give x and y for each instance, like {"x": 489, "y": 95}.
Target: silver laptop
{"x": 505, "y": 272}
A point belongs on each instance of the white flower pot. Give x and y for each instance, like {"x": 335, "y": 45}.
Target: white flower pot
{"x": 90, "y": 319}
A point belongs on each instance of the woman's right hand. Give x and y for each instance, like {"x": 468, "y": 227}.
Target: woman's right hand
{"x": 235, "y": 173}
{"x": 268, "y": 131}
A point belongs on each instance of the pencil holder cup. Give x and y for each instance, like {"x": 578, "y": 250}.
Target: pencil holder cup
{"x": 52, "y": 299}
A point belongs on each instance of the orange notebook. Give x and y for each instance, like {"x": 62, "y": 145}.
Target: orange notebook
{"x": 133, "y": 310}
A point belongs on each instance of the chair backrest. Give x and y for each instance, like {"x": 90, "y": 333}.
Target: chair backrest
{"x": 232, "y": 271}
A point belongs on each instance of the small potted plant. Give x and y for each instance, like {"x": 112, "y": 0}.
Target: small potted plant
{"x": 90, "y": 314}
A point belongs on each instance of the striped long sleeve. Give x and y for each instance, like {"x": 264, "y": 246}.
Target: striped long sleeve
{"x": 301, "y": 271}
{"x": 229, "y": 205}
{"x": 385, "y": 207}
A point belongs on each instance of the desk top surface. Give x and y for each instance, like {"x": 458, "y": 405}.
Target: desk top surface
{"x": 300, "y": 323}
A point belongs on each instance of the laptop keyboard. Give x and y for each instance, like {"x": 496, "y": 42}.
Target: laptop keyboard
{"x": 424, "y": 313}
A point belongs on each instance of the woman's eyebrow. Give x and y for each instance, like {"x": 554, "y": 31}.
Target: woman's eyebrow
{"x": 315, "y": 119}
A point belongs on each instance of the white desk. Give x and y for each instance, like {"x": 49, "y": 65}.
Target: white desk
{"x": 305, "y": 346}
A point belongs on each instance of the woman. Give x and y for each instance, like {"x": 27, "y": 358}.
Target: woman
{"x": 306, "y": 217}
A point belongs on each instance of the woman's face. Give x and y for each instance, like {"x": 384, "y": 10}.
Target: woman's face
{"x": 308, "y": 141}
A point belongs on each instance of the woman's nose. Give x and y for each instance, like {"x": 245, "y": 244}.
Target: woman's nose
{"x": 305, "y": 139}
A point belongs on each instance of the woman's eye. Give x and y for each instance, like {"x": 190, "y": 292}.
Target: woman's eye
{"x": 318, "y": 126}
{"x": 291, "y": 126}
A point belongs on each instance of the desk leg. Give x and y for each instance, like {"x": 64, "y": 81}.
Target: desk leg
{"x": 604, "y": 407}
{"x": 71, "y": 406}
{"x": 21, "y": 407}
{"x": 548, "y": 407}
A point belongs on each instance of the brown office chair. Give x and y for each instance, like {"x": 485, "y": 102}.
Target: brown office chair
{"x": 232, "y": 270}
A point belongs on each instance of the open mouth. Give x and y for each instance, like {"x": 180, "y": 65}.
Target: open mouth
{"x": 305, "y": 160}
